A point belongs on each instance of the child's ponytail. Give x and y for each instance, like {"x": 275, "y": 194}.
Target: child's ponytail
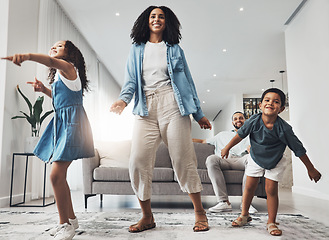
{"x": 75, "y": 56}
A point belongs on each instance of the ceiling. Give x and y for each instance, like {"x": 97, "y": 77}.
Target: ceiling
{"x": 253, "y": 39}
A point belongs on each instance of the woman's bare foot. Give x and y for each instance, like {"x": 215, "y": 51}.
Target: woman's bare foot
{"x": 201, "y": 221}
{"x": 145, "y": 223}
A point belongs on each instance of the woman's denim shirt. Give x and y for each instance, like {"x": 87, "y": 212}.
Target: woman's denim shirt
{"x": 181, "y": 81}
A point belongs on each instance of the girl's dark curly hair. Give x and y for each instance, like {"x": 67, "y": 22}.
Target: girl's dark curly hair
{"x": 140, "y": 32}
{"x": 74, "y": 56}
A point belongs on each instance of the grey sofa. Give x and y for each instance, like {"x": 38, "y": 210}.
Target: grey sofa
{"x": 115, "y": 180}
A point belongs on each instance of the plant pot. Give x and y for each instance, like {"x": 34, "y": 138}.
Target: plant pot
{"x": 30, "y": 143}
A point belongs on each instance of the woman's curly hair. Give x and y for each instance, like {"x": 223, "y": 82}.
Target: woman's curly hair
{"x": 140, "y": 32}
{"x": 74, "y": 56}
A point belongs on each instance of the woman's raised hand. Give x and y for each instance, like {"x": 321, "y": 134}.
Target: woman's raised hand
{"x": 118, "y": 106}
{"x": 37, "y": 85}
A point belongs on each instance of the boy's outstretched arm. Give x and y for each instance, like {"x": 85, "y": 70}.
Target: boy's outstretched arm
{"x": 235, "y": 140}
{"x": 312, "y": 172}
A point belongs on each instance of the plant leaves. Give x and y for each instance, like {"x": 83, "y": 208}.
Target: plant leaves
{"x": 31, "y": 120}
{"x": 18, "y": 117}
{"x": 26, "y": 99}
{"x": 45, "y": 115}
{"x": 37, "y": 108}
{"x": 34, "y": 117}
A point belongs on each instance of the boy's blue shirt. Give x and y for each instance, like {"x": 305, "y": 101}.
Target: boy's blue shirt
{"x": 181, "y": 81}
{"x": 268, "y": 146}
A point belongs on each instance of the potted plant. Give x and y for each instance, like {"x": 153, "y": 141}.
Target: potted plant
{"x": 34, "y": 118}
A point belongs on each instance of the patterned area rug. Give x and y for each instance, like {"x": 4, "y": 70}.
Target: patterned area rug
{"x": 170, "y": 225}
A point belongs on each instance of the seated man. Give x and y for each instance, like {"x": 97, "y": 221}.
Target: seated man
{"x": 237, "y": 160}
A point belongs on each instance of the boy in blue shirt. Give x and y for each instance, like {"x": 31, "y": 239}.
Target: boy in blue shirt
{"x": 269, "y": 135}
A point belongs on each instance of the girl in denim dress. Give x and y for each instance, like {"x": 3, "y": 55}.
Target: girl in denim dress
{"x": 68, "y": 136}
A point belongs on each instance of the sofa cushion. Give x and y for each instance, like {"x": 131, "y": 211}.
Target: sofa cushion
{"x": 117, "y": 174}
{"x": 203, "y": 173}
{"x": 162, "y": 157}
{"x": 163, "y": 175}
{"x": 202, "y": 151}
{"x": 114, "y": 154}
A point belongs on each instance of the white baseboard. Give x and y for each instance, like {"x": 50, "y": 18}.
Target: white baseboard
{"x": 310, "y": 193}
{"x": 5, "y": 201}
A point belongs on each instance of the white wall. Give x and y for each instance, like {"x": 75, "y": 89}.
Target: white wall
{"x": 21, "y": 37}
{"x": 224, "y": 120}
{"x": 4, "y": 11}
{"x": 199, "y": 133}
{"x": 307, "y": 49}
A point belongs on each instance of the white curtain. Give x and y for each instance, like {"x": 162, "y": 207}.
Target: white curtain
{"x": 111, "y": 127}
{"x": 54, "y": 25}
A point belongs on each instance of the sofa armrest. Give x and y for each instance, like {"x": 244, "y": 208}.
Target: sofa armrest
{"x": 88, "y": 166}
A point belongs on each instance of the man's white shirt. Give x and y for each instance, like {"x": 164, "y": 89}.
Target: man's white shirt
{"x": 223, "y": 138}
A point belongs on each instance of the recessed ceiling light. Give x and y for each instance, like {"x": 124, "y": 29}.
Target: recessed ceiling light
{"x": 241, "y": 9}
{"x": 208, "y": 90}
{"x": 214, "y": 75}
{"x": 224, "y": 50}
{"x": 117, "y": 14}
{"x": 203, "y": 102}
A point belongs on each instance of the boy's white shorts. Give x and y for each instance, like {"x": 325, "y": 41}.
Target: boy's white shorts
{"x": 275, "y": 174}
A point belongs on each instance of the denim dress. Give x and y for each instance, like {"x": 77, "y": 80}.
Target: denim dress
{"x": 68, "y": 136}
